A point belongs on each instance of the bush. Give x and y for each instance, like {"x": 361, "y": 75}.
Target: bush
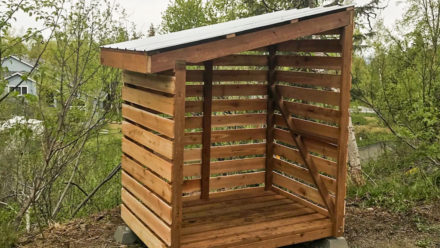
{"x": 398, "y": 181}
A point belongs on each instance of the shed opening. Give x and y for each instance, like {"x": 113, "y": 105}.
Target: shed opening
{"x": 237, "y": 140}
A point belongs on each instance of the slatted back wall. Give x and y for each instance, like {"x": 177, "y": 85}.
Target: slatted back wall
{"x": 238, "y": 121}
{"x": 147, "y": 146}
{"x": 308, "y": 79}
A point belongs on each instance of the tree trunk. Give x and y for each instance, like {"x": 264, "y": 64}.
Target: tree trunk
{"x": 355, "y": 169}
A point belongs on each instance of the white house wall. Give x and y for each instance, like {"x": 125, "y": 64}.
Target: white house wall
{"x": 32, "y": 88}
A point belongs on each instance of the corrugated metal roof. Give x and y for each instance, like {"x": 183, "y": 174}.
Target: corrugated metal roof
{"x": 219, "y": 30}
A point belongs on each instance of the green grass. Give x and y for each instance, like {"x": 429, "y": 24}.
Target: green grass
{"x": 369, "y": 129}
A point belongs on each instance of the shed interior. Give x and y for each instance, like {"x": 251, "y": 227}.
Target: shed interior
{"x": 247, "y": 149}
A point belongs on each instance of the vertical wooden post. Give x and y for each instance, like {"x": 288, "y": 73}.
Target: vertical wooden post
{"x": 178, "y": 147}
{"x": 341, "y": 176}
{"x": 206, "y": 140}
{"x": 270, "y": 116}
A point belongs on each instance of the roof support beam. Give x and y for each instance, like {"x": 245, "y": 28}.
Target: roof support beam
{"x": 211, "y": 50}
{"x": 126, "y": 60}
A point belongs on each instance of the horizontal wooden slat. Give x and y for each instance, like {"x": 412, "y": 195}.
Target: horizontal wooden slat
{"x": 146, "y": 216}
{"x": 162, "y": 83}
{"x": 149, "y": 100}
{"x": 228, "y": 75}
{"x": 312, "y": 95}
{"x": 298, "y": 188}
{"x": 227, "y": 120}
{"x": 227, "y": 151}
{"x": 226, "y": 135}
{"x": 308, "y": 78}
{"x": 148, "y": 139}
{"x": 315, "y": 62}
{"x": 323, "y": 165}
{"x": 328, "y": 133}
{"x": 237, "y": 180}
{"x": 228, "y": 90}
{"x": 225, "y": 181}
{"x": 319, "y": 147}
{"x": 140, "y": 229}
{"x": 152, "y": 201}
{"x": 311, "y": 46}
{"x": 227, "y": 105}
{"x": 147, "y": 158}
{"x": 313, "y": 112}
{"x": 303, "y": 174}
{"x": 149, "y": 120}
{"x": 226, "y": 166}
{"x": 147, "y": 178}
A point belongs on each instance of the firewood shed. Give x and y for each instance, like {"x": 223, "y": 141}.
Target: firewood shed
{"x": 235, "y": 134}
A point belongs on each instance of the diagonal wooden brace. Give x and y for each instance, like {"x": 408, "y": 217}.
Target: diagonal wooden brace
{"x": 305, "y": 155}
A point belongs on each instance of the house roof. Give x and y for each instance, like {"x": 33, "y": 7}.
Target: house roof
{"x": 19, "y": 60}
{"x": 216, "y": 31}
{"x": 19, "y": 74}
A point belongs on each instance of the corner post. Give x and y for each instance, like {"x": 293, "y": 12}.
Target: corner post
{"x": 341, "y": 175}
{"x": 270, "y": 116}
{"x": 178, "y": 148}
{"x": 206, "y": 138}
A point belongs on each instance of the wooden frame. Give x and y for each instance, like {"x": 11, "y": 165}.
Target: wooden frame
{"x": 249, "y": 150}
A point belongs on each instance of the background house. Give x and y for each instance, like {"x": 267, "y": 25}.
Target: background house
{"x": 15, "y": 69}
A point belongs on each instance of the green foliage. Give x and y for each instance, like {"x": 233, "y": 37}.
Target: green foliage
{"x": 398, "y": 181}
{"x": 184, "y": 14}
{"x": 401, "y": 81}
{"x": 9, "y": 235}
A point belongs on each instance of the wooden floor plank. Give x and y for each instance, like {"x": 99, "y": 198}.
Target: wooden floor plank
{"x": 237, "y": 195}
{"x": 267, "y": 233}
{"x": 215, "y": 205}
{"x": 288, "y": 239}
{"x": 236, "y": 208}
{"x": 251, "y": 227}
{"x": 238, "y": 218}
{"x": 259, "y": 219}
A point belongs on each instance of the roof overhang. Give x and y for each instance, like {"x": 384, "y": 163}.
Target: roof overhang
{"x": 148, "y": 62}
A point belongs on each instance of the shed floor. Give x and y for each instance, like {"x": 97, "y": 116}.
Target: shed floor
{"x": 264, "y": 219}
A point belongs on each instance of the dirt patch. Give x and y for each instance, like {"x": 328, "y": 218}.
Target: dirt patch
{"x": 365, "y": 228}
{"x": 377, "y": 227}
{"x": 94, "y": 231}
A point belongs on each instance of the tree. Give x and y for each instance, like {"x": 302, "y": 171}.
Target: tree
{"x": 44, "y": 11}
{"x": 151, "y": 30}
{"x": 403, "y": 86}
{"x": 87, "y": 98}
{"x": 184, "y": 14}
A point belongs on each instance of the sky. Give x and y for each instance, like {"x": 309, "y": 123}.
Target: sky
{"x": 145, "y": 12}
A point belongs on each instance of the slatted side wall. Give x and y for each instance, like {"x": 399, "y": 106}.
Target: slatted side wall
{"x": 147, "y": 146}
{"x": 239, "y": 91}
{"x": 308, "y": 77}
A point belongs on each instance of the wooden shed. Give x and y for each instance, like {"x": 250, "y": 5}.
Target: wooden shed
{"x": 235, "y": 134}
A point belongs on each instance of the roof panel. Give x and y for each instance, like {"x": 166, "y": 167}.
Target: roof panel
{"x": 221, "y": 29}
